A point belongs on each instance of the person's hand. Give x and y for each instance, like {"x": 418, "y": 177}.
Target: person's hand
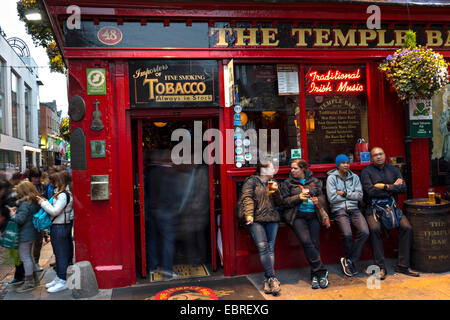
{"x": 340, "y": 192}
{"x": 249, "y": 219}
{"x": 399, "y": 181}
{"x": 40, "y": 200}
{"x": 303, "y": 196}
{"x": 12, "y": 211}
{"x": 379, "y": 186}
{"x": 315, "y": 200}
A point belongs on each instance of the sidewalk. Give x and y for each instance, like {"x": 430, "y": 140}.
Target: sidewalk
{"x": 294, "y": 283}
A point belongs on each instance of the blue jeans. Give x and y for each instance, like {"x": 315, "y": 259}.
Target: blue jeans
{"x": 344, "y": 219}
{"x": 61, "y": 239}
{"x": 307, "y": 229}
{"x": 160, "y": 240}
{"x": 264, "y": 234}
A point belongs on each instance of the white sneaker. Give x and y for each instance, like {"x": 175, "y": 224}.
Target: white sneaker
{"x": 59, "y": 286}
{"x": 51, "y": 284}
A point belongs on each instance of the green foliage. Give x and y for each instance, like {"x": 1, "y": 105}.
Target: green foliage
{"x": 410, "y": 40}
{"x": 41, "y": 33}
{"x": 64, "y": 129}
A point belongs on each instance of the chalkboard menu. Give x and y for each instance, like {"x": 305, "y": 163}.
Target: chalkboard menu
{"x": 336, "y": 111}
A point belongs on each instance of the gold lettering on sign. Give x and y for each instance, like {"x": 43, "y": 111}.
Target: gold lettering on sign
{"x": 349, "y": 40}
{"x": 382, "y": 39}
{"x": 434, "y": 38}
{"x": 400, "y": 37}
{"x": 366, "y": 35}
{"x": 221, "y": 36}
{"x": 447, "y": 42}
{"x": 300, "y": 33}
{"x": 321, "y": 36}
{"x": 268, "y": 36}
{"x": 251, "y": 37}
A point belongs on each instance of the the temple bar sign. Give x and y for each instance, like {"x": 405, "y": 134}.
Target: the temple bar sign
{"x": 257, "y": 35}
{"x": 322, "y": 37}
{"x": 173, "y": 83}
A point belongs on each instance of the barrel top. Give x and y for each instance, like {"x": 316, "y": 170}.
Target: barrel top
{"x": 424, "y": 202}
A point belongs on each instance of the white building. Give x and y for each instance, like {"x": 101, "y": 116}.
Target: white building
{"x": 19, "y": 102}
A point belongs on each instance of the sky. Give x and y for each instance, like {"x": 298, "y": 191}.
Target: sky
{"x": 55, "y": 84}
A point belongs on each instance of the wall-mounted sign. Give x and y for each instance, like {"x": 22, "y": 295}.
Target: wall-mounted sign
{"x": 334, "y": 81}
{"x": 96, "y": 81}
{"x": 98, "y": 149}
{"x": 77, "y": 108}
{"x": 109, "y": 35}
{"x": 173, "y": 83}
{"x": 100, "y": 187}
{"x": 78, "y": 149}
{"x": 421, "y": 118}
{"x": 133, "y": 34}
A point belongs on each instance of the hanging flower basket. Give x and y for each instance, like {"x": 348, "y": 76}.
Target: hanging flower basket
{"x": 415, "y": 72}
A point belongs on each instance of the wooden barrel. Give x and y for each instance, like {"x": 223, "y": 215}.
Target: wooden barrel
{"x": 431, "y": 234}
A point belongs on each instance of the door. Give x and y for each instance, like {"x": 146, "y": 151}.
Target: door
{"x": 175, "y": 217}
{"x": 138, "y": 190}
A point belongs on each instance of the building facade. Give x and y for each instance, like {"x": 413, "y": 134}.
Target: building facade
{"x": 54, "y": 148}
{"x": 19, "y": 100}
{"x": 140, "y": 71}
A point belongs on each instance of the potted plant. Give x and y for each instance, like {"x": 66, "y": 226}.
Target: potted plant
{"x": 415, "y": 72}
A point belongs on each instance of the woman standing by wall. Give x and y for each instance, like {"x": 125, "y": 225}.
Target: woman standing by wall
{"x": 61, "y": 238}
{"x": 261, "y": 216}
{"x": 27, "y": 207}
{"x": 304, "y": 201}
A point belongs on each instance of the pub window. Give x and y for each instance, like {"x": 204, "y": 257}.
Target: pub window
{"x": 261, "y": 105}
{"x": 336, "y": 111}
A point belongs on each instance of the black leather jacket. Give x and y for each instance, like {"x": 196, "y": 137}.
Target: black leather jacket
{"x": 258, "y": 203}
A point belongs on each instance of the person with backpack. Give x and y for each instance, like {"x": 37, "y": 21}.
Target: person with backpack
{"x": 61, "y": 236}
{"x": 23, "y": 216}
{"x": 344, "y": 191}
{"x": 384, "y": 182}
{"x": 259, "y": 206}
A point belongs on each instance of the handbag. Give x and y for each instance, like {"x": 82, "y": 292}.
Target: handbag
{"x": 386, "y": 210}
{"x": 10, "y": 237}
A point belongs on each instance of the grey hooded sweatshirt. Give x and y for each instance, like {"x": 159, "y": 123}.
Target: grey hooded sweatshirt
{"x": 351, "y": 185}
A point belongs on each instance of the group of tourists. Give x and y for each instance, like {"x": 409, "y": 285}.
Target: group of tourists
{"x": 301, "y": 203}
{"x": 21, "y": 197}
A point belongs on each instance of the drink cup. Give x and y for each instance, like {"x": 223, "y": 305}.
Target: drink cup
{"x": 431, "y": 197}
{"x": 438, "y": 197}
{"x": 306, "y": 191}
{"x": 270, "y": 184}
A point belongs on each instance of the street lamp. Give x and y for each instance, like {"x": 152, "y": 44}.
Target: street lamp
{"x": 33, "y": 15}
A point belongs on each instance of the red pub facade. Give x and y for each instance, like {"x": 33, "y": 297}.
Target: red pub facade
{"x": 138, "y": 69}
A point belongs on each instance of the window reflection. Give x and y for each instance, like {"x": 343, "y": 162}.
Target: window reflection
{"x": 263, "y": 108}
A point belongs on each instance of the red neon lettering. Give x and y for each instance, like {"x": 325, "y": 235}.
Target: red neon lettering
{"x": 334, "y": 75}
{"x": 344, "y": 87}
{"x": 322, "y": 88}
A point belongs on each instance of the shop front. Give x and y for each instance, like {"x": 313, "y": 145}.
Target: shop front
{"x": 170, "y": 106}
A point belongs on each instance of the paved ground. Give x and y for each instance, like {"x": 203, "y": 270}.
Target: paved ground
{"x": 295, "y": 285}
